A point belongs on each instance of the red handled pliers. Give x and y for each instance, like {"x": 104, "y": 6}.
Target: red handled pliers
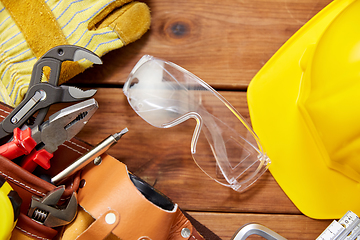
{"x": 39, "y": 142}
{"x": 41, "y": 139}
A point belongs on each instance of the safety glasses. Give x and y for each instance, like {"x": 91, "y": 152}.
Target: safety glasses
{"x": 226, "y": 149}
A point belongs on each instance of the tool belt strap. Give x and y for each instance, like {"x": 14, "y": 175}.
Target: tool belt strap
{"x": 107, "y": 190}
{"x": 109, "y": 183}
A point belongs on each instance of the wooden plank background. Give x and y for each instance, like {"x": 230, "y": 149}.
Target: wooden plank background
{"x": 225, "y": 43}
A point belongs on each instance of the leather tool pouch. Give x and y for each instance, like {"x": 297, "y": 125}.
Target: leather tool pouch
{"x": 113, "y": 204}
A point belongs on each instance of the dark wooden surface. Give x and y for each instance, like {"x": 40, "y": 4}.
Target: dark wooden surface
{"x": 225, "y": 43}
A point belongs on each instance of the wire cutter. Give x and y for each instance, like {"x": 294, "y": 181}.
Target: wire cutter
{"x": 41, "y": 95}
{"x": 39, "y": 142}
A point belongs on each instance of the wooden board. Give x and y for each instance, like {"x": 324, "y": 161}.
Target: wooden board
{"x": 162, "y": 158}
{"x": 225, "y": 43}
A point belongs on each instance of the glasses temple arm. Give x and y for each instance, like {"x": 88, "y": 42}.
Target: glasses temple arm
{"x": 199, "y": 124}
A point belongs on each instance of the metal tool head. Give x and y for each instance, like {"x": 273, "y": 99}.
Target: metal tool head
{"x": 41, "y": 95}
{"x": 71, "y": 53}
{"x": 46, "y": 211}
{"x": 41, "y": 100}
{"x": 59, "y": 94}
{"x": 54, "y": 58}
{"x": 65, "y": 124}
{"x": 76, "y": 93}
{"x": 256, "y": 229}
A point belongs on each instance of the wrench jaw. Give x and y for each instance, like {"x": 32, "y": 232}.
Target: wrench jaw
{"x": 77, "y": 93}
{"x": 88, "y": 55}
{"x": 71, "y": 53}
{"x": 46, "y": 211}
{"x": 61, "y": 94}
{"x": 41, "y": 95}
{"x": 54, "y": 58}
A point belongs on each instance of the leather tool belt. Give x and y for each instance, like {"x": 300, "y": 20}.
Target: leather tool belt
{"x": 102, "y": 190}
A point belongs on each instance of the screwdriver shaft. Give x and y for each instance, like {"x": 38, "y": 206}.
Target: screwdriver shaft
{"x": 88, "y": 157}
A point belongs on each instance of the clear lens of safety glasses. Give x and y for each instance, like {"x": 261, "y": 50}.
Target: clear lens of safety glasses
{"x": 165, "y": 95}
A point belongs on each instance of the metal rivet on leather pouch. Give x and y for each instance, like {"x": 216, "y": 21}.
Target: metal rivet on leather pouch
{"x": 97, "y": 160}
{"x": 110, "y": 218}
{"x": 185, "y": 232}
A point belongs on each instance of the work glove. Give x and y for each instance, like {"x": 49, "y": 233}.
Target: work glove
{"x": 29, "y": 28}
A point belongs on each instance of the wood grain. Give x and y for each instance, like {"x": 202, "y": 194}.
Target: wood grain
{"x": 162, "y": 158}
{"x": 225, "y": 43}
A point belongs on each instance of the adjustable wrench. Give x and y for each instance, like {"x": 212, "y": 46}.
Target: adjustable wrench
{"x": 46, "y": 211}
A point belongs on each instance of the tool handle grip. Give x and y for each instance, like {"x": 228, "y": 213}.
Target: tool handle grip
{"x": 37, "y": 157}
{"x": 10, "y": 203}
{"x": 21, "y": 144}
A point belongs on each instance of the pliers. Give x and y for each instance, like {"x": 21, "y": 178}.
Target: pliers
{"x": 40, "y": 141}
{"x": 41, "y": 95}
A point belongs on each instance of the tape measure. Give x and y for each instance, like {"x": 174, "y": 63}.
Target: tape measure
{"x": 347, "y": 228}
{"x": 9, "y": 209}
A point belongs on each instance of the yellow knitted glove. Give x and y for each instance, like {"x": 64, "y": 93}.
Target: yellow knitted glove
{"x": 29, "y": 28}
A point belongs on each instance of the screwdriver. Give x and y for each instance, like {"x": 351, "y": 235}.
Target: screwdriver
{"x": 88, "y": 157}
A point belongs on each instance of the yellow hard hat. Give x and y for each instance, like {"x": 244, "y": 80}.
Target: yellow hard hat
{"x": 305, "y": 107}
